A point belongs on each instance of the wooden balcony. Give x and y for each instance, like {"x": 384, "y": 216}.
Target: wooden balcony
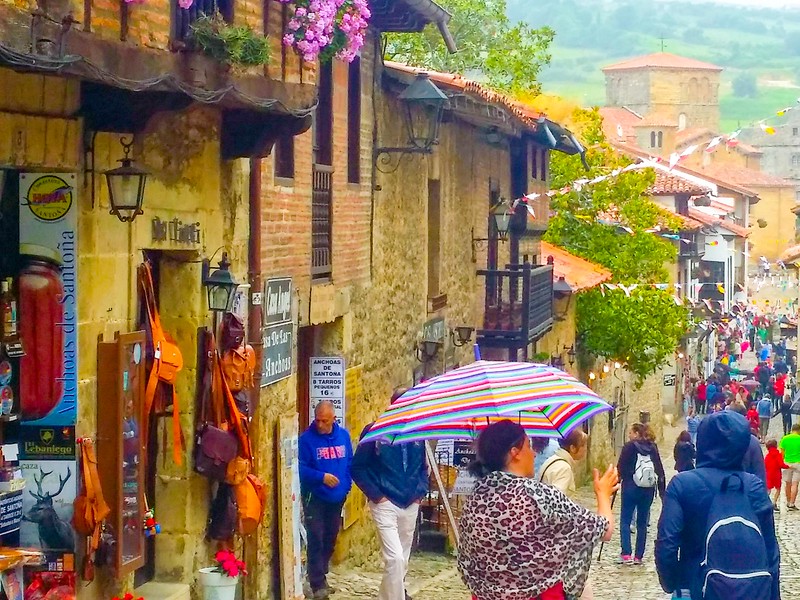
{"x": 519, "y": 306}
{"x": 183, "y": 18}
{"x": 322, "y": 223}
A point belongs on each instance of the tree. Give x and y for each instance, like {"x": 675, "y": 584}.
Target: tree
{"x": 745, "y": 86}
{"x": 611, "y": 223}
{"x": 507, "y": 56}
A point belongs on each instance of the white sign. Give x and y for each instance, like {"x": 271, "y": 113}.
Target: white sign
{"x": 326, "y": 382}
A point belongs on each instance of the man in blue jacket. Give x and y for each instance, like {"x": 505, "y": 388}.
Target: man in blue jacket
{"x": 394, "y": 477}
{"x": 722, "y": 440}
{"x": 325, "y": 456}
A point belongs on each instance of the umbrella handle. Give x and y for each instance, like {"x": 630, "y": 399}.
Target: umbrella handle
{"x": 602, "y": 544}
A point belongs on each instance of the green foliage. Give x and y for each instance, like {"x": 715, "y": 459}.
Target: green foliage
{"x": 229, "y": 44}
{"x": 745, "y": 85}
{"x": 641, "y": 330}
{"x": 507, "y": 56}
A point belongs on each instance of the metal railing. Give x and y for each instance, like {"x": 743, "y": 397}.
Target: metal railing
{"x": 183, "y": 18}
{"x": 322, "y": 222}
{"x": 519, "y": 306}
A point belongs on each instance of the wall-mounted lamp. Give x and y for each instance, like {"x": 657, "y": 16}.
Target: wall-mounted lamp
{"x": 423, "y": 111}
{"x": 126, "y": 186}
{"x": 557, "y": 362}
{"x": 220, "y": 285}
{"x": 606, "y": 369}
{"x": 562, "y": 290}
{"x": 461, "y": 335}
{"x": 681, "y": 355}
{"x": 617, "y": 365}
{"x": 592, "y": 376}
{"x": 571, "y": 354}
{"x": 426, "y": 350}
{"x": 501, "y": 214}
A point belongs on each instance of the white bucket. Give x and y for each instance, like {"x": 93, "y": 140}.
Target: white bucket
{"x": 217, "y": 586}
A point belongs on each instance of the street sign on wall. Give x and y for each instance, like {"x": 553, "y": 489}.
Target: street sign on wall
{"x": 326, "y": 381}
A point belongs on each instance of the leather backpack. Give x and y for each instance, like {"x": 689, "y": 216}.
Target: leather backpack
{"x": 167, "y": 363}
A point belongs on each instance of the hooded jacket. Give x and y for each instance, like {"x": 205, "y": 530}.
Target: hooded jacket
{"x": 627, "y": 462}
{"x": 321, "y": 453}
{"x": 722, "y": 441}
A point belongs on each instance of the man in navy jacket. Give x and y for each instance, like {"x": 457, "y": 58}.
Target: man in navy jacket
{"x": 325, "y": 456}
{"x": 722, "y": 441}
{"x": 394, "y": 477}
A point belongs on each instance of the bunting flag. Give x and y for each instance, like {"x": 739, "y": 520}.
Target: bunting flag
{"x": 714, "y": 143}
{"x": 721, "y": 288}
{"x": 768, "y": 129}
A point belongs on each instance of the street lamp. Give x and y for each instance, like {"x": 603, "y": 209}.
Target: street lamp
{"x": 126, "y": 187}
{"x": 220, "y": 285}
{"x": 461, "y": 335}
{"x": 562, "y": 290}
{"x": 427, "y": 349}
{"x": 502, "y": 213}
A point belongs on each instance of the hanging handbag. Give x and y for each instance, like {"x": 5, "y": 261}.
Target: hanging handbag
{"x": 251, "y": 498}
{"x": 167, "y": 363}
{"x": 89, "y": 508}
{"x": 223, "y": 514}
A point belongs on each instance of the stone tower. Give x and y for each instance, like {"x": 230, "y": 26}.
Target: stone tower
{"x": 681, "y": 89}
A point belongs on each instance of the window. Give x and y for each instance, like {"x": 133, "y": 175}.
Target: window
{"x": 660, "y": 139}
{"x": 652, "y": 139}
{"x": 354, "y": 121}
{"x": 434, "y": 237}
{"x": 323, "y": 117}
{"x": 681, "y": 121}
{"x": 544, "y": 163}
{"x": 535, "y": 163}
{"x": 284, "y": 157}
{"x": 796, "y": 160}
{"x": 795, "y": 131}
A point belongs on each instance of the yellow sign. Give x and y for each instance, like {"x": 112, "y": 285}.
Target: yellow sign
{"x": 49, "y": 198}
{"x": 354, "y": 394}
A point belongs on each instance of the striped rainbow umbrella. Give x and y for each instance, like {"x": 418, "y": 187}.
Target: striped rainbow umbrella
{"x": 460, "y": 403}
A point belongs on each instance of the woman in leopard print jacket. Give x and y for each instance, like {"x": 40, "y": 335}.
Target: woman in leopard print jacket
{"x": 522, "y": 539}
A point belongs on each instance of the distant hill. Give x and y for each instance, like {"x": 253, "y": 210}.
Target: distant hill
{"x": 590, "y": 34}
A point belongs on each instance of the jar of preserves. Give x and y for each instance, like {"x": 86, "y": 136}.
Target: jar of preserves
{"x": 41, "y": 318}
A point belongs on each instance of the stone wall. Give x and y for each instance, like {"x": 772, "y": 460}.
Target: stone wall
{"x": 775, "y": 207}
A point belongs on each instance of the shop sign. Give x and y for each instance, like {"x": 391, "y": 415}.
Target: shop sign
{"x": 277, "y": 353}
{"x": 47, "y": 506}
{"x": 278, "y": 297}
{"x": 434, "y": 330}
{"x": 463, "y": 455}
{"x": 327, "y": 382}
{"x": 175, "y": 231}
{"x": 10, "y": 512}
{"x": 48, "y": 236}
{"x": 47, "y": 443}
{"x": 669, "y": 379}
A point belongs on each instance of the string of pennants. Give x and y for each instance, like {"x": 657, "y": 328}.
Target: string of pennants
{"x": 679, "y": 301}
{"x": 730, "y": 140}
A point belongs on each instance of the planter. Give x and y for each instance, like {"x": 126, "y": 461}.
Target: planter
{"x": 217, "y": 586}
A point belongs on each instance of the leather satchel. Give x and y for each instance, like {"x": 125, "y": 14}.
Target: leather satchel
{"x": 214, "y": 449}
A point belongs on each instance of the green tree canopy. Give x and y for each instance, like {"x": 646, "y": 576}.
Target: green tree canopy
{"x": 507, "y": 56}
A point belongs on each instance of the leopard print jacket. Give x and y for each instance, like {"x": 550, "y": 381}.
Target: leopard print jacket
{"x": 520, "y": 537}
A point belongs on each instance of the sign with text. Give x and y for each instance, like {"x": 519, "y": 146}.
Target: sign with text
{"x": 326, "y": 381}
{"x": 669, "y": 379}
{"x": 277, "y": 363}
{"x": 434, "y": 330}
{"x": 278, "y": 300}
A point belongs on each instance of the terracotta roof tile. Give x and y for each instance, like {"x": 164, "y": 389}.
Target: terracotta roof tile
{"x": 743, "y": 176}
{"x": 657, "y": 120}
{"x": 579, "y": 273}
{"x": 688, "y": 223}
{"x": 615, "y": 118}
{"x": 669, "y": 184}
{"x": 714, "y": 221}
{"x": 662, "y": 60}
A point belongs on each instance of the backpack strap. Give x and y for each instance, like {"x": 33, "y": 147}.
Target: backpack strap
{"x": 558, "y": 459}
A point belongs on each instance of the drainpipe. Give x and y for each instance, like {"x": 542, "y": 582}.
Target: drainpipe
{"x": 254, "y": 275}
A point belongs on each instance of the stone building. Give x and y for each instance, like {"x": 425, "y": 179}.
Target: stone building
{"x": 683, "y": 90}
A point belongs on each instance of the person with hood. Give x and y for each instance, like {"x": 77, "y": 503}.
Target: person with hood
{"x": 394, "y": 478}
{"x": 683, "y": 529}
{"x": 325, "y": 454}
{"x": 753, "y": 461}
{"x": 684, "y": 452}
{"x": 641, "y": 473}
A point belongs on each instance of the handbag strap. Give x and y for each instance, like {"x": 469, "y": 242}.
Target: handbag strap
{"x": 235, "y": 416}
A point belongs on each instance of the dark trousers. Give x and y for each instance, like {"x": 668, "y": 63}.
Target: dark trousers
{"x": 323, "y": 521}
{"x": 701, "y": 406}
{"x": 639, "y": 499}
{"x": 787, "y": 423}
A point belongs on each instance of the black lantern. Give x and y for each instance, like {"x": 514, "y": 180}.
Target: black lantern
{"x": 126, "y": 186}
{"x": 502, "y": 213}
{"x": 571, "y": 354}
{"x": 220, "y": 285}
{"x": 423, "y": 104}
{"x": 561, "y": 290}
{"x": 427, "y": 349}
{"x": 461, "y": 335}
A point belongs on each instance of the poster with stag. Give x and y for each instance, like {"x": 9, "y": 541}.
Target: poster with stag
{"x": 50, "y": 489}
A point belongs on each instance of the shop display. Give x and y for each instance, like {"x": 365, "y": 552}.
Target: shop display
{"x": 120, "y": 407}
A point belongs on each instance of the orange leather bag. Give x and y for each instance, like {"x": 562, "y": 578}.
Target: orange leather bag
{"x": 89, "y": 508}
{"x": 167, "y": 363}
{"x": 251, "y": 498}
{"x": 238, "y": 367}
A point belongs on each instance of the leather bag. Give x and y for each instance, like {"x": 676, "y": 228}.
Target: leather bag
{"x": 251, "y": 498}
{"x": 90, "y": 509}
{"x": 223, "y": 514}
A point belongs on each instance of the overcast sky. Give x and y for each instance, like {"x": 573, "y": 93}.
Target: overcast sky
{"x": 754, "y": 3}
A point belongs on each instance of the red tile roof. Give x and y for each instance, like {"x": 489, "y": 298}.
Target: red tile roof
{"x": 703, "y": 135}
{"x": 669, "y": 184}
{"x": 657, "y": 120}
{"x": 688, "y": 223}
{"x": 526, "y": 114}
{"x": 662, "y": 60}
{"x": 699, "y": 215}
{"x": 619, "y": 117}
{"x": 742, "y": 176}
{"x": 579, "y": 273}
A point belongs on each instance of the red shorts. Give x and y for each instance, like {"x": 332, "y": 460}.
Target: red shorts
{"x": 554, "y": 593}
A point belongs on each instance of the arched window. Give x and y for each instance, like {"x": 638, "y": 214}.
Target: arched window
{"x": 705, "y": 90}
{"x": 693, "y": 89}
{"x": 660, "y": 139}
{"x": 652, "y": 139}
{"x": 681, "y": 121}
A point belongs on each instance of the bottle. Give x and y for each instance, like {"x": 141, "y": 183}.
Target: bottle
{"x": 8, "y": 311}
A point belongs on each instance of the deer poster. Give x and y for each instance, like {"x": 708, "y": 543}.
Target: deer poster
{"x": 51, "y": 486}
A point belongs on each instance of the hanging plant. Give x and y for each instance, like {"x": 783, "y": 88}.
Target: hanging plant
{"x": 229, "y": 44}
{"x": 327, "y": 29}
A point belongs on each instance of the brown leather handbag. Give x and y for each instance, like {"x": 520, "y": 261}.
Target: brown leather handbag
{"x": 89, "y": 508}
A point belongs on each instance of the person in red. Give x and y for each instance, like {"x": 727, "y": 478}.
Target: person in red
{"x": 774, "y": 463}
{"x": 752, "y": 416}
{"x": 700, "y": 397}
{"x": 780, "y": 385}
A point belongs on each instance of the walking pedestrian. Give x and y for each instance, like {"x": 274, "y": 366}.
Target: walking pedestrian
{"x": 521, "y": 538}
{"x": 752, "y": 418}
{"x": 790, "y": 448}
{"x": 394, "y": 478}
{"x": 701, "y": 393}
{"x": 786, "y": 414}
{"x": 704, "y": 510}
{"x": 692, "y": 423}
{"x": 753, "y": 461}
{"x": 684, "y": 452}
{"x": 641, "y": 473}
{"x": 558, "y": 469}
{"x": 764, "y": 411}
{"x": 325, "y": 454}
{"x": 774, "y": 464}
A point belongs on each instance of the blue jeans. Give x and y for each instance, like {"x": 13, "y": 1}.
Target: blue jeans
{"x": 638, "y": 499}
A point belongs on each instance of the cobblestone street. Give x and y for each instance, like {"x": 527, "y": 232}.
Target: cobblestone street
{"x": 434, "y": 577}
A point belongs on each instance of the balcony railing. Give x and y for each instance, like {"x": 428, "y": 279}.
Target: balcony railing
{"x": 183, "y": 18}
{"x": 321, "y": 222}
{"x": 519, "y": 306}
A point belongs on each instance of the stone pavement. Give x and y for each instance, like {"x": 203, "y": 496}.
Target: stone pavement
{"x": 434, "y": 577}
